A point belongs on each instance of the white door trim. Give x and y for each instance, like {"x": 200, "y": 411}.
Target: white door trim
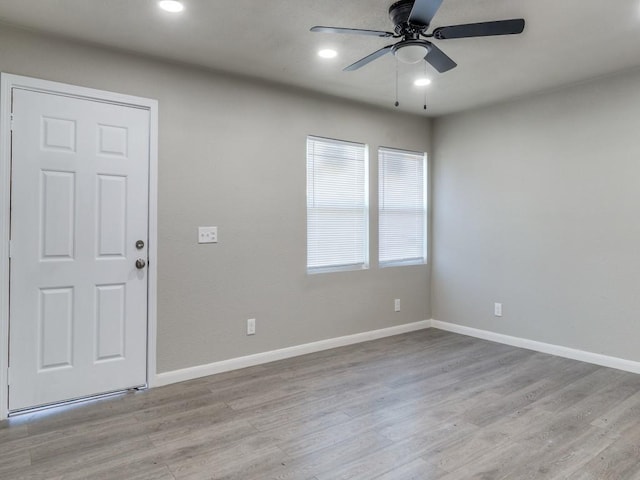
{"x": 7, "y": 83}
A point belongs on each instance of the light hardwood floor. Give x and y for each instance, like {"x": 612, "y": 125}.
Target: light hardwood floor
{"x": 425, "y": 405}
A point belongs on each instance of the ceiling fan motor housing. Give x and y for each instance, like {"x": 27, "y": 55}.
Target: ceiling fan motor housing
{"x": 399, "y": 14}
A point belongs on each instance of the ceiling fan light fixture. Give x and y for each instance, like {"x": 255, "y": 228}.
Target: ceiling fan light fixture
{"x": 411, "y": 53}
{"x": 422, "y": 82}
{"x": 172, "y": 6}
{"x": 327, "y": 53}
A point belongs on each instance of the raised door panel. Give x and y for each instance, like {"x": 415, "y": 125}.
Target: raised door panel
{"x": 55, "y": 328}
{"x": 111, "y": 216}
{"x": 57, "y": 215}
{"x": 110, "y": 322}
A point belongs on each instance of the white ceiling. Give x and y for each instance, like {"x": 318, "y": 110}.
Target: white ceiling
{"x": 564, "y": 41}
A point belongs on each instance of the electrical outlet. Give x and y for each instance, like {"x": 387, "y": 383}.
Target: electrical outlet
{"x": 497, "y": 309}
{"x": 207, "y": 234}
{"x": 251, "y": 326}
{"x": 396, "y": 305}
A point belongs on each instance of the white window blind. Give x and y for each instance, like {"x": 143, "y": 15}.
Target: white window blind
{"x": 337, "y": 205}
{"x": 402, "y": 207}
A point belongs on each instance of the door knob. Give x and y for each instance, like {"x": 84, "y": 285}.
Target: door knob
{"x": 140, "y": 264}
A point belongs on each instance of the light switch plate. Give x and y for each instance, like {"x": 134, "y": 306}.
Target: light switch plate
{"x": 251, "y": 326}
{"x": 207, "y": 234}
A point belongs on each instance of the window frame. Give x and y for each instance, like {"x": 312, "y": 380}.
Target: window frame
{"x": 341, "y": 267}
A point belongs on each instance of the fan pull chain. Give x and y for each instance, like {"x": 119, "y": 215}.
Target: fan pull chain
{"x": 425, "y": 90}
{"x": 397, "y": 102}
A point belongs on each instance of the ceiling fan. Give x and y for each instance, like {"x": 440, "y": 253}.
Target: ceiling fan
{"x": 412, "y": 19}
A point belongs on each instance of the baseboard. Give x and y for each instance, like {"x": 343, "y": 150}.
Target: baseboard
{"x": 184, "y": 374}
{"x": 572, "y": 353}
{"x": 167, "y": 378}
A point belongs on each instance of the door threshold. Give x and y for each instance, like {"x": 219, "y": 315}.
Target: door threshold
{"x": 60, "y": 406}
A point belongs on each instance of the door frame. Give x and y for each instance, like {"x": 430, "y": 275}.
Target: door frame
{"x": 7, "y": 83}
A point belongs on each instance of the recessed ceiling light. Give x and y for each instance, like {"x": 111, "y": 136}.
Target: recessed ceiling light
{"x": 328, "y": 53}
{"x": 172, "y": 6}
{"x": 422, "y": 82}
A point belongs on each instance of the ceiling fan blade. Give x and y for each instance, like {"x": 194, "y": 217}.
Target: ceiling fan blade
{"x": 484, "y": 29}
{"x": 423, "y": 12}
{"x": 439, "y": 60}
{"x": 368, "y": 59}
{"x": 352, "y": 31}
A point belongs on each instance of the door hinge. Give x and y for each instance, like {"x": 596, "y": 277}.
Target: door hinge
{"x": 9, "y": 376}
{"x": 10, "y": 248}
{"x": 11, "y": 123}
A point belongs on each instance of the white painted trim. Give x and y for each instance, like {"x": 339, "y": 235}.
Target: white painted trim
{"x": 7, "y": 83}
{"x": 152, "y": 251}
{"x": 176, "y": 376}
{"x": 558, "y": 350}
{"x": 5, "y": 199}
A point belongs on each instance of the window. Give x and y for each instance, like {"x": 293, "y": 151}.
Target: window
{"x": 337, "y": 205}
{"x": 402, "y": 180}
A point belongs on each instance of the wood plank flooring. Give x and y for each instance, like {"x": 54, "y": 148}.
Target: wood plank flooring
{"x": 425, "y": 405}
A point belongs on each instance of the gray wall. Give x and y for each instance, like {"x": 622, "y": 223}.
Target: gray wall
{"x": 232, "y": 154}
{"x": 537, "y": 205}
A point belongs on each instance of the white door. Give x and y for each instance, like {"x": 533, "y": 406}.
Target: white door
{"x": 79, "y": 204}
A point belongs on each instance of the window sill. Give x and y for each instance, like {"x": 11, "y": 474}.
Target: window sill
{"x": 403, "y": 263}
{"x": 337, "y": 268}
